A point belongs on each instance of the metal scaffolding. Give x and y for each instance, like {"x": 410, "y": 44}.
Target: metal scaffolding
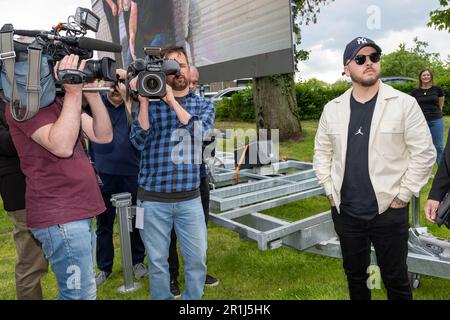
{"x": 237, "y": 206}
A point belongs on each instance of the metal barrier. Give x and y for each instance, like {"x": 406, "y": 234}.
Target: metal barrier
{"x": 295, "y": 181}
{"x": 427, "y": 255}
{"x": 124, "y": 211}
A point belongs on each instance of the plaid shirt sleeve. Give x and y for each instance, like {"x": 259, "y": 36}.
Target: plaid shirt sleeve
{"x": 204, "y": 114}
{"x": 139, "y": 136}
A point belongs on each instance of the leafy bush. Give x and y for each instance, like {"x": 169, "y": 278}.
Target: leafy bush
{"x": 237, "y": 108}
{"x": 444, "y": 83}
{"x": 312, "y": 95}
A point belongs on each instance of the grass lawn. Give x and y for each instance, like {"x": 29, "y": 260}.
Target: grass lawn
{"x": 243, "y": 270}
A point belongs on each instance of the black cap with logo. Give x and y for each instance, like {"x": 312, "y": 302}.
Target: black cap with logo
{"x": 357, "y": 44}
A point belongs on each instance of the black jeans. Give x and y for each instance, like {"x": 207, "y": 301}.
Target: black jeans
{"x": 388, "y": 232}
{"x": 174, "y": 264}
{"x": 105, "y": 222}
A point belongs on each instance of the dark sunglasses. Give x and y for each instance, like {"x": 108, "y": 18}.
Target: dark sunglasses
{"x": 360, "y": 59}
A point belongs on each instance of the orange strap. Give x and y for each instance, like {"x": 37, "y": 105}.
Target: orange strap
{"x": 238, "y": 167}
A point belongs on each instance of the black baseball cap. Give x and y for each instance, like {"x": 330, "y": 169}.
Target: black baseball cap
{"x": 357, "y": 44}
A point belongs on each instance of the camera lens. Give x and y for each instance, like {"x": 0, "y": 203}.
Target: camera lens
{"x": 152, "y": 84}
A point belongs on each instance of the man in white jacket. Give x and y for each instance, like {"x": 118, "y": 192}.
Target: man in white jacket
{"x": 373, "y": 150}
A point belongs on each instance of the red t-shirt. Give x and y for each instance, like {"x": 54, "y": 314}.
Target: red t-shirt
{"x": 59, "y": 190}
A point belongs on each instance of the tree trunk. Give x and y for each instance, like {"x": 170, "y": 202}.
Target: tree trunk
{"x": 276, "y": 106}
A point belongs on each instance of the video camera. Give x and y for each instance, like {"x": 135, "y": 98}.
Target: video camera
{"x": 27, "y": 68}
{"x": 152, "y": 72}
{"x": 57, "y": 46}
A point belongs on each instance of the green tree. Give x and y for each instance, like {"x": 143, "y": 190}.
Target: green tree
{"x": 440, "y": 19}
{"x": 409, "y": 61}
{"x": 274, "y": 96}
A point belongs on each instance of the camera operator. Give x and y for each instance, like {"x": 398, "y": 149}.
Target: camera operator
{"x": 31, "y": 264}
{"x": 169, "y": 189}
{"x": 117, "y": 164}
{"x": 210, "y": 281}
{"x": 62, "y": 194}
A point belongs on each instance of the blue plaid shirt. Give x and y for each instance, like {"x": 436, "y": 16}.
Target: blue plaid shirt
{"x": 158, "y": 171}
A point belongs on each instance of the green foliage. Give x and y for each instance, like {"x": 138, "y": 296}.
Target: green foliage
{"x": 238, "y": 107}
{"x": 313, "y": 94}
{"x": 304, "y": 12}
{"x": 408, "y": 62}
{"x": 444, "y": 83}
{"x": 440, "y": 19}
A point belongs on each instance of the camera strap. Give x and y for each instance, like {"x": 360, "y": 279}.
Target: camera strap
{"x": 7, "y": 57}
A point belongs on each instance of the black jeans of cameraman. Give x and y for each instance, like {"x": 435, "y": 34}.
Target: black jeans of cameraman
{"x": 388, "y": 232}
{"x": 174, "y": 263}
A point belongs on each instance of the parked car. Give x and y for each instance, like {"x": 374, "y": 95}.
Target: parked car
{"x": 210, "y": 94}
{"x": 397, "y": 79}
{"x": 227, "y": 93}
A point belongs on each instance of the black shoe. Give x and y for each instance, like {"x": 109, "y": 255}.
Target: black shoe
{"x": 175, "y": 289}
{"x": 211, "y": 281}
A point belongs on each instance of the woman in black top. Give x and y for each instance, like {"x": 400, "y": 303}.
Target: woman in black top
{"x": 431, "y": 101}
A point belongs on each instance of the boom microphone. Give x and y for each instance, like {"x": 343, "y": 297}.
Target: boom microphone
{"x": 94, "y": 44}
{"x": 29, "y": 33}
{"x": 82, "y": 42}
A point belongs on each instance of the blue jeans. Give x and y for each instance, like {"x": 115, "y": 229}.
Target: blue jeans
{"x": 189, "y": 221}
{"x": 70, "y": 250}
{"x": 437, "y": 133}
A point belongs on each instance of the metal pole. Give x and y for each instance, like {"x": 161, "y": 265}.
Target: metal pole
{"x": 122, "y": 202}
{"x": 415, "y": 208}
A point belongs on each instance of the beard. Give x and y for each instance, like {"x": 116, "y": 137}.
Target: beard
{"x": 365, "y": 82}
{"x": 178, "y": 83}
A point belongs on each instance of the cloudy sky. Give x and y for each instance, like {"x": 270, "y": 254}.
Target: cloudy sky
{"x": 38, "y": 14}
{"x": 387, "y": 22}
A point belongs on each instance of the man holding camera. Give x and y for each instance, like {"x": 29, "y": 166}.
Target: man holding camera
{"x": 174, "y": 265}
{"x": 62, "y": 194}
{"x": 169, "y": 183}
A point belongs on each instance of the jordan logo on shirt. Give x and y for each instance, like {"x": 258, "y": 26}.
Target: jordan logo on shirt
{"x": 359, "y": 132}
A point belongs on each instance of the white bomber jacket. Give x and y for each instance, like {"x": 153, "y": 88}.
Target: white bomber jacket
{"x": 401, "y": 151}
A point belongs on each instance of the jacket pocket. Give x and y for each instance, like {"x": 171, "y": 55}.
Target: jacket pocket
{"x": 392, "y": 138}
{"x": 334, "y": 133}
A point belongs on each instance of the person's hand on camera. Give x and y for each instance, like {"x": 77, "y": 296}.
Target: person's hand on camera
{"x": 121, "y": 74}
{"x": 122, "y": 89}
{"x": 70, "y": 62}
{"x": 93, "y": 84}
{"x": 169, "y": 98}
{"x": 133, "y": 86}
{"x": 430, "y": 210}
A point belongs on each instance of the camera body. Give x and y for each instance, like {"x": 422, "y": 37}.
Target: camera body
{"x": 152, "y": 72}
{"x": 103, "y": 69}
{"x": 57, "y": 47}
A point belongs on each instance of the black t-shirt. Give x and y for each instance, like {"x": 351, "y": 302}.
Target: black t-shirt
{"x": 155, "y": 25}
{"x": 357, "y": 195}
{"x": 428, "y": 100}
